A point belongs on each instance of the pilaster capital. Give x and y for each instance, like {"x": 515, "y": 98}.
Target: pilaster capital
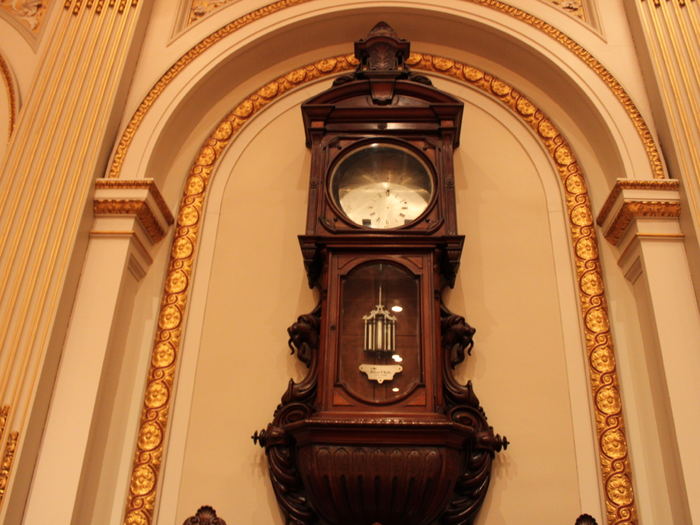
{"x": 637, "y": 211}
{"x": 631, "y": 200}
{"x": 132, "y": 209}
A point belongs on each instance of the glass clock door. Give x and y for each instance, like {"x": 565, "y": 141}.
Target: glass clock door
{"x": 379, "y": 340}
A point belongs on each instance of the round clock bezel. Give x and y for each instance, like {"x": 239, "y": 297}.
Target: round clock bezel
{"x": 400, "y": 145}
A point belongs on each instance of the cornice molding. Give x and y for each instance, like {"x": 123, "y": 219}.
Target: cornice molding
{"x": 638, "y": 209}
{"x": 136, "y": 184}
{"x": 138, "y": 198}
{"x": 634, "y": 184}
{"x": 120, "y": 5}
{"x": 139, "y": 209}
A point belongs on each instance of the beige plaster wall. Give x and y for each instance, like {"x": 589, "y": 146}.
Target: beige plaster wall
{"x": 507, "y": 289}
{"x": 257, "y": 288}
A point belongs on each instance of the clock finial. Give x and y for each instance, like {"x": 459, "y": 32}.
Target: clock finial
{"x": 382, "y": 29}
{"x": 382, "y": 50}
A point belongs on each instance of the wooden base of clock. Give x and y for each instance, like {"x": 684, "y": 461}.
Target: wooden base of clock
{"x": 395, "y": 471}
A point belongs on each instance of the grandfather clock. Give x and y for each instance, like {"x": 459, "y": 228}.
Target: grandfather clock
{"x": 379, "y": 431}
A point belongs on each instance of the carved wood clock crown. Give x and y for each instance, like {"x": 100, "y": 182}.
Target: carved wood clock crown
{"x": 379, "y": 431}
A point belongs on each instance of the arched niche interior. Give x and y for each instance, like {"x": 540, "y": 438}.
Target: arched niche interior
{"x": 516, "y": 286}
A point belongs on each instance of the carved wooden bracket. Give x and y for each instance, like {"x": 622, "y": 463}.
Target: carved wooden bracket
{"x": 298, "y": 403}
{"x": 205, "y": 516}
{"x": 586, "y": 519}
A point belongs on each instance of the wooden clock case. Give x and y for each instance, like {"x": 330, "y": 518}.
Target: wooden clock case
{"x": 342, "y": 448}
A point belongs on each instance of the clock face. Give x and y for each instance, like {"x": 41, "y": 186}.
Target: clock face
{"x": 382, "y": 186}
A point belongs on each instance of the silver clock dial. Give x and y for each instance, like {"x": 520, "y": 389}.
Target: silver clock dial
{"x": 382, "y": 186}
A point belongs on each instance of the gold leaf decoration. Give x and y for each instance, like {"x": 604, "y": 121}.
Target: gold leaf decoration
{"x": 138, "y": 208}
{"x": 7, "y": 459}
{"x": 632, "y": 209}
{"x": 634, "y": 184}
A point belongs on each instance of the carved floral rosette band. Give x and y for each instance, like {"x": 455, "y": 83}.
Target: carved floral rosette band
{"x": 613, "y": 453}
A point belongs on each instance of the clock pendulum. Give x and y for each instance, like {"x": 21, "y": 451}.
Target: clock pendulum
{"x": 380, "y": 342}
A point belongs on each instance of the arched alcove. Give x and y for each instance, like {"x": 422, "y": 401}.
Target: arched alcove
{"x": 249, "y": 285}
{"x": 599, "y": 128}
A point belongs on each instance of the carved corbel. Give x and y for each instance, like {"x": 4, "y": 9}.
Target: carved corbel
{"x": 462, "y": 406}
{"x": 450, "y": 259}
{"x": 298, "y": 403}
{"x": 311, "y": 253}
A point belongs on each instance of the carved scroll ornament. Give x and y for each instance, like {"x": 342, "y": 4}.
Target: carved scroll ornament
{"x": 462, "y": 406}
{"x": 205, "y": 516}
{"x": 297, "y": 404}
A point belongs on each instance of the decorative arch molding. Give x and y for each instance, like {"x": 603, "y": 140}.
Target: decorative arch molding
{"x": 11, "y": 94}
{"x": 607, "y": 403}
{"x": 646, "y": 138}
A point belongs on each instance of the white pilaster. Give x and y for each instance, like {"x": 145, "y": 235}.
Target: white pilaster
{"x": 642, "y": 219}
{"x": 130, "y": 217}
{"x": 60, "y": 142}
